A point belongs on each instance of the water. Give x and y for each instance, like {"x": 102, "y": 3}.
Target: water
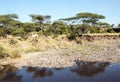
{"x": 81, "y": 72}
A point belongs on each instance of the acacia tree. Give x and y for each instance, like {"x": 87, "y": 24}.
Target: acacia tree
{"x": 89, "y": 18}
{"x": 40, "y": 20}
{"x": 70, "y": 20}
{"x": 37, "y": 18}
{"x": 103, "y": 24}
{"x": 8, "y": 19}
{"x": 7, "y": 22}
{"x": 86, "y": 17}
{"x": 59, "y": 27}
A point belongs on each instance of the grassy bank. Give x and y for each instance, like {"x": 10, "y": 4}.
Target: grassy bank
{"x": 15, "y": 47}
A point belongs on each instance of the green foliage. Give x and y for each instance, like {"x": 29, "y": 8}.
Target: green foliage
{"x": 48, "y": 31}
{"x": 117, "y": 30}
{"x": 18, "y": 32}
{"x": 87, "y": 17}
{"x": 57, "y": 28}
{"x": 103, "y": 25}
{"x": 28, "y": 27}
{"x": 72, "y": 36}
{"x": 8, "y": 19}
{"x": 110, "y": 30}
{"x": 94, "y": 30}
{"x": 1, "y": 32}
{"x": 77, "y": 31}
{"x": 83, "y": 28}
{"x": 73, "y": 26}
{"x": 40, "y": 18}
{"x": 7, "y": 30}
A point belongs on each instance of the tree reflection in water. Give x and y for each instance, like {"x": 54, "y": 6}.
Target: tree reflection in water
{"x": 43, "y": 72}
{"x": 78, "y": 73}
{"x": 40, "y": 72}
{"x": 8, "y": 74}
{"x": 89, "y": 68}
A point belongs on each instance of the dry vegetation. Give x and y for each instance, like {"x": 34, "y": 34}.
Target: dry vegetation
{"x": 56, "y": 51}
{"x": 16, "y": 46}
{"x": 102, "y": 34}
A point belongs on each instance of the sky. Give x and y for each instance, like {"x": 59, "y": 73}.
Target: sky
{"x": 61, "y": 8}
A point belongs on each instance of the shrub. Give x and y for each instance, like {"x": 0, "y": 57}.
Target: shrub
{"x": 3, "y": 53}
{"x": 15, "y": 53}
{"x": 94, "y": 30}
{"x": 117, "y": 30}
{"x": 110, "y": 30}
{"x": 1, "y": 32}
{"x": 18, "y": 32}
{"x": 72, "y": 36}
{"x": 83, "y": 28}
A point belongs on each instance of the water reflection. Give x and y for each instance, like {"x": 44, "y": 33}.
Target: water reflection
{"x": 40, "y": 72}
{"x": 9, "y": 74}
{"x": 78, "y": 73}
{"x": 89, "y": 68}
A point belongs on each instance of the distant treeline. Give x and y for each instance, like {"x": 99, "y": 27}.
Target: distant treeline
{"x": 73, "y": 26}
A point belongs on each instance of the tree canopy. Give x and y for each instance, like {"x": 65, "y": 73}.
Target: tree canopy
{"x": 89, "y": 17}
{"x": 85, "y": 17}
{"x": 40, "y": 18}
{"x": 8, "y": 19}
{"x": 85, "y": 22}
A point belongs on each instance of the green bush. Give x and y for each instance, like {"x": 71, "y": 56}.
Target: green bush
{"x": 110, "y": 30}
{"x": 28, "y": 27}
{"x": 18, "y": 32}
{"x": 71, "y": 36}
{"x": 94, "y": 30}
{"x": 117, "y": 30}
{"x": 83, "y": 28}
{"x": 1, "y": 32}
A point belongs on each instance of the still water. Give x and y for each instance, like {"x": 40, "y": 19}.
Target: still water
{"x": 81, "y": 72}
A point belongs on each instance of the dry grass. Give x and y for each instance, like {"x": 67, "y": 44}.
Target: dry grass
{"x": 3, "y": 52}
{"x": 16, "y": 46}
{"x": 102, "y": 34}
{"x": 15, "y": 53}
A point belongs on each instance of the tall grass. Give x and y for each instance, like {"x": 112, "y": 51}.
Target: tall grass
{"x": 3, "y": 53}
{"x": 15, "y": 53}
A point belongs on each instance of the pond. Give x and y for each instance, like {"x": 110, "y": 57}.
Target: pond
{"x": 81, "y": 72}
